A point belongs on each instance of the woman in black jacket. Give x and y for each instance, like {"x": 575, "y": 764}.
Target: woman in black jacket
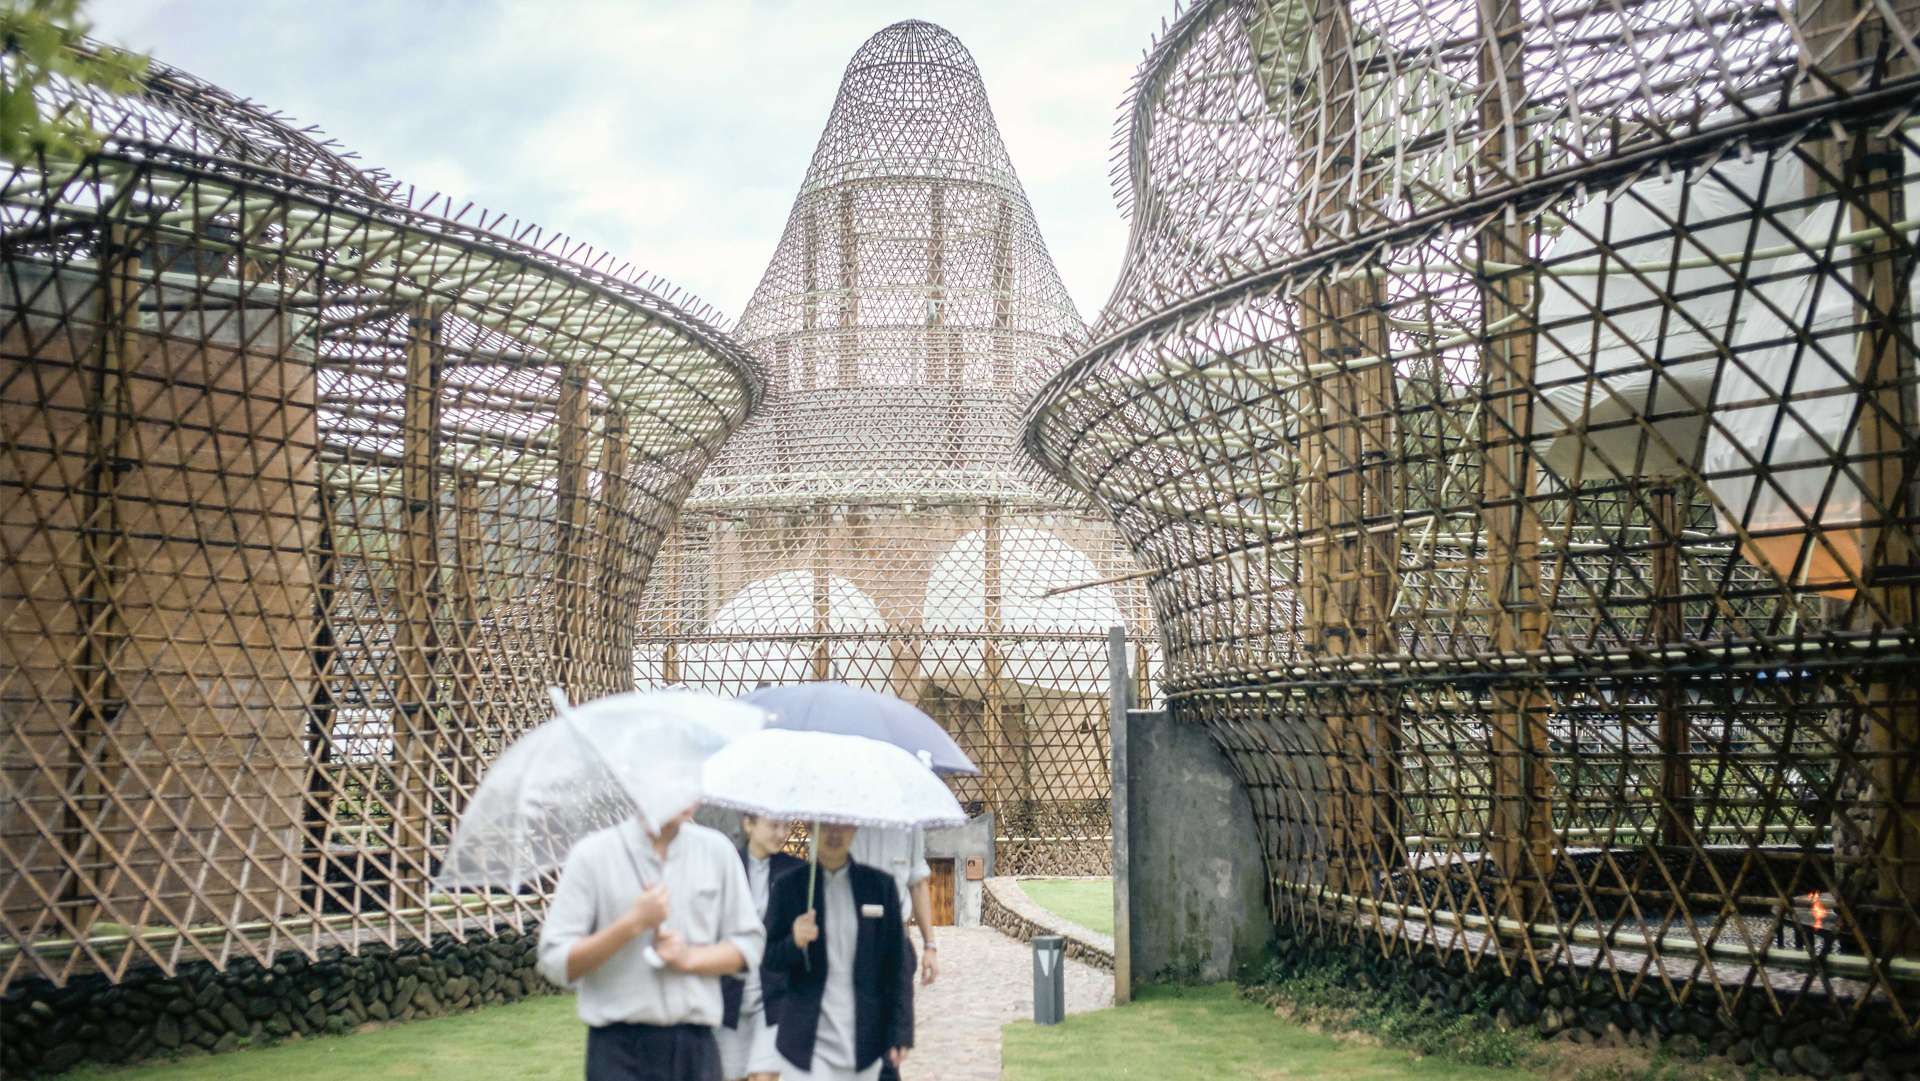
{"x": 844, "y": 976}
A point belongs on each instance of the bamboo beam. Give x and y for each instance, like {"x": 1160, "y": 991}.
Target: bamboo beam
{"x": 1666, "y": 626}
{"x": 1349, "y": 583}
{"x": 1520, "y": 824}
{"x": 847, "y": 359}
{"x": 1855, "y": 37}
{"x": 98, "y": 699}
{"x": 1000, "y": 742}
{"x": 614, "y": 586}
{"x": 573, "y": 497}
{"x": 419, "y": 586}
{"x": 822, "y": 606}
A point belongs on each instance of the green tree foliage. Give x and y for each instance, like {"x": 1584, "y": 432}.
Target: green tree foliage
{"x": 41, "y": 40}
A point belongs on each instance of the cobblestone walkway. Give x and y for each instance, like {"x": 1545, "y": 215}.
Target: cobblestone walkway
{"x": 986, "y": 980}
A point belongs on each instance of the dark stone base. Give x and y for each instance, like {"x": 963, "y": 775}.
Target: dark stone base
{"x": 198, "y": 1010}
{"x": 1805, "y": 1035}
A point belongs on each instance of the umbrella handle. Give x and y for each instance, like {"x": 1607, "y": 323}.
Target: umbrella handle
{"x": 647, "y": 952}
{"x": 813, "y": 873}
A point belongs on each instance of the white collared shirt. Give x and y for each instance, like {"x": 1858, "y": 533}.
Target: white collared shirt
{"x": 900, "y": 853}
{"x": 708, "y": 901}
{"x": 833, "y": 1043}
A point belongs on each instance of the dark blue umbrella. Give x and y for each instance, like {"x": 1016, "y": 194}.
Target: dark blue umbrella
{"x": 852, "y": 711}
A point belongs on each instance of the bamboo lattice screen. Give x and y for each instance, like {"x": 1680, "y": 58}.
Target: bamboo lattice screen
{"x": 306, "y": 495}
{"x": 877, "y": 523}
{"x": 1515, "y": 405}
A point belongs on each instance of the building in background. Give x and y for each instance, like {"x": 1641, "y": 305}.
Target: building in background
{"x": 878, "y": 524}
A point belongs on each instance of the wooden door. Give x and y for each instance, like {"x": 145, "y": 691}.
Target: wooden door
{"x": 940, "y": 886}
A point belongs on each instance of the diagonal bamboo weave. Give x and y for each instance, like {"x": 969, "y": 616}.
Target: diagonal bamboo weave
{"x": 878, "y": 523}
{"x": 1515, "y": 407}
{"x": 306, "y": 494}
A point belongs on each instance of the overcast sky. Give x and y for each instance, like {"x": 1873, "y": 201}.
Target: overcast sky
{"x": 674, "y": 135}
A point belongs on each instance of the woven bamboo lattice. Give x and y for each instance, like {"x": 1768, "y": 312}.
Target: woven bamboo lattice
{"x": 1515, "y": 405}
{"x": 877, "y": 523}
{"x": 307, "y": 494}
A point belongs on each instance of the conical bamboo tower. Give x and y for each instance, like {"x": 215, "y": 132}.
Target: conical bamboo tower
{"x": 878, "y": 524}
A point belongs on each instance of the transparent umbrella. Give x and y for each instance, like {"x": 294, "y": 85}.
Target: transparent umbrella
{"x": 591, "y": 767}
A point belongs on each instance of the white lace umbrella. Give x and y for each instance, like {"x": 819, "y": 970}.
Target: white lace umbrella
{"x": 826, "y": 777}
{"x": 591, "y": 767}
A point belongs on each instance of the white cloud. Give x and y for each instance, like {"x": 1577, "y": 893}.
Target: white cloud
{"x": 673, "y": 135}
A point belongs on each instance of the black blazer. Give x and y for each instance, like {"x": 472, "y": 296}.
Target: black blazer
{"x": 882, "y": 971}
{"x": 733, "y": 989}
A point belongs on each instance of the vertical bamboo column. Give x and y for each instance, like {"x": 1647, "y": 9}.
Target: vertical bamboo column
{"x": 1665, "y": 626}
{"x": 323, "y": 651}
{"x": 999, "y": 741}
{"x": 1003, "y": 373}
{"x": 417, "y": 584}
{"x": 1853, "y": 40}
{"x": 469, "y": 693}
{"x": 1522, "y": 840}
{"x": 98, "y": 698}
{"x": 1348, "y": 565}
{"x": 848, "y": 360}
{"x": 822, "y": 601}
{"x": 573, "y": 491}
{"x": 810, "y": 372}
{"x": 613, "y": 600}
{"x": 943, "y": 354}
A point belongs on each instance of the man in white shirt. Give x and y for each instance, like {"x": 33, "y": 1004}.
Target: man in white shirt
{"x": 682, "y": 892}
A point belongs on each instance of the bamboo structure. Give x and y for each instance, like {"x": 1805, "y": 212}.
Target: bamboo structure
{"x": 307, "y": 493}
{"x": 878, "y": 523}
{"x": 1514, "y": 408}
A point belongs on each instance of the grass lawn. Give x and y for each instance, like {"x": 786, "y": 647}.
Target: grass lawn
{"x": 1086, "y": 901}
{"x": 1209, "y": 1032}
{"x": 535, "y": 1040}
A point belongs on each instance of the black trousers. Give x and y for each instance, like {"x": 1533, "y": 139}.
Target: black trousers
{"x": 622, "y": 1052}
{"x": 888, "y": 1071}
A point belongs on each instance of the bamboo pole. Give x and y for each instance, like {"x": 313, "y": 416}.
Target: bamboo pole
{"x": 418, "y": 585}
{"x": 98, "y": 699}
{"x": 1348, "y": 584}
{"x": 1521, "y": 825}
{"x": 1868, "y": 166}
{"x": 1666, "y": 627}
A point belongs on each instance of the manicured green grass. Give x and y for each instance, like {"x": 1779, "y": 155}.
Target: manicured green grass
{"x": 1209, "y": 1032}
{"x": 535, "y": 1040}
{"x": 1086, "y": 901}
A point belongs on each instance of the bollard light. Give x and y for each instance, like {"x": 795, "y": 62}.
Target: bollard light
{"x": 1049, "y": 979}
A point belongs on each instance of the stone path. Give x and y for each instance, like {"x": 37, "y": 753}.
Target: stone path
{"x": 986, "y": 980}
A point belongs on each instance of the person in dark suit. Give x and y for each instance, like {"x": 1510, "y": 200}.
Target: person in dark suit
{"x": 847, "y": 1003}
{"x": 744, "y": 1018}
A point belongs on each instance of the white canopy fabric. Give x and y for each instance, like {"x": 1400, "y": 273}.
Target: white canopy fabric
{"x": 826, "y": 777}
{"x": 1633, "y": 330}
{"x": 1785, "y": 405}
{"x": 1032, "y": 562}
{"x": 782, "y": 604}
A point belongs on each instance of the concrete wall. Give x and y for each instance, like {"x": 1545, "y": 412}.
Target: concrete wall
{"x": 957, "y": 844}
{"x": 1195, "y": 885}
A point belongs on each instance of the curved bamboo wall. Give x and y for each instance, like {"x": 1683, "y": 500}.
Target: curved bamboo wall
{"x": 308, "y": 495}
{"x": 1515, "y": 405}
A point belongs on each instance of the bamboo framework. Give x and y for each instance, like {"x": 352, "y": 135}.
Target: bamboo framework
{"x": 878, "y": 523}
{"x": 307, "y": 492}
{"x": 1515, "y": 407}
